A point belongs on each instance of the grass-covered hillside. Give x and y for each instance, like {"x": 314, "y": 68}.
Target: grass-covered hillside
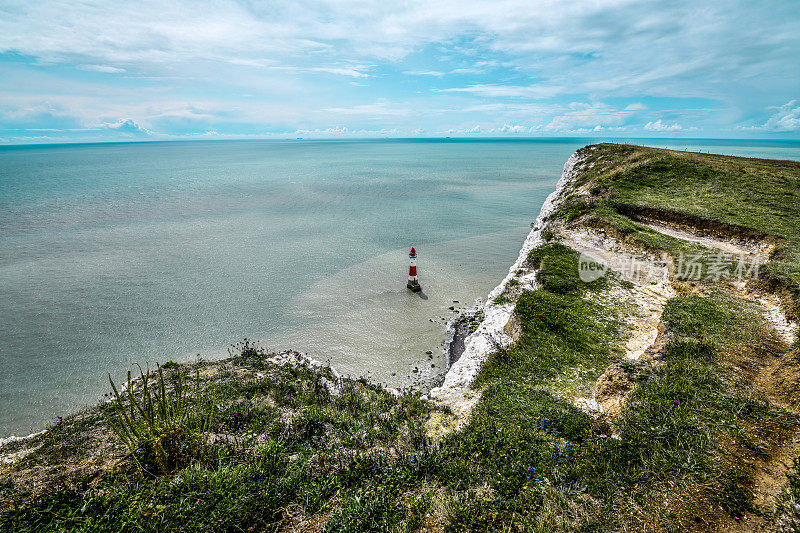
{"x": 753, "y": 199}
{"x": 703, "y": 438}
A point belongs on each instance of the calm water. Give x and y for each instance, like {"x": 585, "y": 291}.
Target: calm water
{"x": 115, "y": 254}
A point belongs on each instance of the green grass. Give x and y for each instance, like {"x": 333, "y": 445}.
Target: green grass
{"x": 471, "y": 320}
{"x": 523, "y": 442}
{"x": 757, "y": 194}
{"x": 281, "y": 441}
{"x": 673, "y": 426}
{"x": 164, "y": 427}
{"x": 528, "y": 458}
{"x": 501, "y": 300}
{"x": 668, "y": 434}
{"x": 788, "y": 503}
{"x": 557, "y": 270}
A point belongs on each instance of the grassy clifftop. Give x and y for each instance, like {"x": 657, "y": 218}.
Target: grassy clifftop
{"x": 574, "y": 430}
{"x": 752, "y": 199}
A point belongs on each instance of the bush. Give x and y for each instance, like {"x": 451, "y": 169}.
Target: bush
{"x": 501, "y": 300}
{"x": 165, "y": 429}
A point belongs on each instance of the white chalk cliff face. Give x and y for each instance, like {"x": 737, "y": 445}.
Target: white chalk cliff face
{"x": 643, "y": 300}
{"x": 456, "y": 391}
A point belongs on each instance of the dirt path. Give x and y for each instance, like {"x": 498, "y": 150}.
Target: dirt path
{"x": 776, "y": 379}
{"x": 774, "y": 376}
{"x": 769, "y": 307}
{"x": 648, "y": 293}
{"x": 771, "y": 311}
{"x": 731, "y": 246}
{"x": 644, "y": 299}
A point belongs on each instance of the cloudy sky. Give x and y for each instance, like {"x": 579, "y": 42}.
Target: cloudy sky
{"x": 117, "y": 70}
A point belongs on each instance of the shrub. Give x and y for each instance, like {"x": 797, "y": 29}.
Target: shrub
{"x": 501, "y": 300}
{"x": 165, "y": 429}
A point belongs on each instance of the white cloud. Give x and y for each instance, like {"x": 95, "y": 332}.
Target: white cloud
{"x": 344, "y": 131}
{"x": 515, "y": 108}
{"x": 506, "y": 91}
{"x": 508, "y": 128}
{"x": 787, "y": 118}
{"x": 588, "y": 115}
{"x": 299, "y": 58}
{"x": 128, "y": 127}
{"x": 102, "y": 68}
{"x": 354, "y": 71}
{"x": 336, "y": 130}
{"x": 479, "y": 67}
{"x": 424, "y": 73}
{"x": 474, "y": 130}
{"x": 379, "y": 108}
{"x": 658, "y": 125}
{"x": 536, "y": 37}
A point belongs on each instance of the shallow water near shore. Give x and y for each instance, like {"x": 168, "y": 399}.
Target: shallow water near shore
{"x": 124, "y": 253}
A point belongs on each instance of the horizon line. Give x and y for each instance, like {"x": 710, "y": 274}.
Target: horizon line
{"x": 598, "y": 140}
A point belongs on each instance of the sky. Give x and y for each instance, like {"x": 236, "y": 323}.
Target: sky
{"x": 103, "y": 70}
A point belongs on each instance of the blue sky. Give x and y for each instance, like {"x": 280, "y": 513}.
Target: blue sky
{"x": 102, "y": 70}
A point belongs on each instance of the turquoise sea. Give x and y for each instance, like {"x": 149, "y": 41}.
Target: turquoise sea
{"x": 114, "y": 254}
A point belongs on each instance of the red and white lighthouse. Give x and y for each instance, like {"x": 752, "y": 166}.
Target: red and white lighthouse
{"x": 413, "y": 284}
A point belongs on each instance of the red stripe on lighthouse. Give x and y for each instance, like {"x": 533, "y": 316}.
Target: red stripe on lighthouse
{"x": 413, "y": 284}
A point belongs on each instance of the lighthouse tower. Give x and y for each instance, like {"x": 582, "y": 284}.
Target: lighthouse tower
{"x": 413, "y": 284}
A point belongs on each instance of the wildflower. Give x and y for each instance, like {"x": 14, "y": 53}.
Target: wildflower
{"x": 532, "y": 477}
{"x": 676, "y": 402}
{"x": 567, "y": 450}
{"x": 556, "y": 453}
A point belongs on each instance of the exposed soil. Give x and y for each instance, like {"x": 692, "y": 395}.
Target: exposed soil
{"x": 774, "y": 372}
{"x": 81, "y": 449}
{"x": 719, "y": 231}
{"x": 732, "y": 246}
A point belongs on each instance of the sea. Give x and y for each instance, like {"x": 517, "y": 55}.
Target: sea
{"x": 113, "y": 255}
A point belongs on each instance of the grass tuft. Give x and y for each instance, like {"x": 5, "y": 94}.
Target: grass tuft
{"x": 164, "y": 427}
